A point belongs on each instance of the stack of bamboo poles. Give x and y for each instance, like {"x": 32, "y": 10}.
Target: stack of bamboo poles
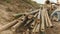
{"x": 42, "y": 23}
{"x": 22, "y": 20}
{"x": 30, "y": 23}
{"x": 46, "y": 22}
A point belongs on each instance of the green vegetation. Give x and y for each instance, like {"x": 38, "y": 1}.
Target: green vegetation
{"x": 33, "y": 3}
{"x": 8, "y": 1}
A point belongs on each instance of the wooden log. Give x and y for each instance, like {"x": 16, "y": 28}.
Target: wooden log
{"x": 8, "y": 25}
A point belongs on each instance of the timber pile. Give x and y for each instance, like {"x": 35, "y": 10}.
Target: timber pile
{"x": 30, "y": 23}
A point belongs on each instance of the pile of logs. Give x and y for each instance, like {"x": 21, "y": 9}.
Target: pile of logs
{"x": 30, "y": 23}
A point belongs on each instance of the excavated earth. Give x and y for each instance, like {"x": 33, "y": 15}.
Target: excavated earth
{"x": 10, "y": 7}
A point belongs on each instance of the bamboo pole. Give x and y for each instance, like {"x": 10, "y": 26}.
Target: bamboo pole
{"x": 38, "y": 21}
{"x": 47, "y": 25}
{"x": 32, "y": 19}
{"x": 35, "y": 27}
{"x": 38, "y": 27}
{"x": 16, "y": 26}
{"x": 20, "y": 23}
{"x": 42, "y": 25}
{"x": 8, "y": 25}
{"x": 27, "y": 32}
{"x": 30, "y": 16}
{"x": 43, "y": 22}
{"x": 24, "y": 33}
{"x": 50, "y": 23}
{"x": 24, "y": 14}
{"x": 29, "y": 22}
{"x": 34, "y": 23}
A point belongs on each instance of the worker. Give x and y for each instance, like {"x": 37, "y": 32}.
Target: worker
{"x": 47, "y": 2}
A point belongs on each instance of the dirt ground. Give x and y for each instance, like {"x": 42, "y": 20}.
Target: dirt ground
{"x": 4, "y": 17}
{"x": 55, "y": 29}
